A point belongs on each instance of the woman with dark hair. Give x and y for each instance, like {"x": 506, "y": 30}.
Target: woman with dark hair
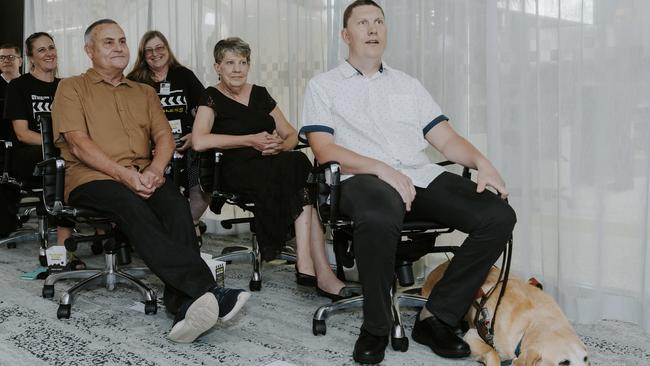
{"x": 29, "y": 96}
{"x": 179, "y": 91}
{"x": 259, "y": 161}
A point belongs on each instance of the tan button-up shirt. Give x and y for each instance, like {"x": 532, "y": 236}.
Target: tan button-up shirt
{"x": 120, "y": 120}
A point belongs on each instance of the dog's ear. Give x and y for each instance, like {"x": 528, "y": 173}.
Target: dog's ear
{"x": 527, "y": 358}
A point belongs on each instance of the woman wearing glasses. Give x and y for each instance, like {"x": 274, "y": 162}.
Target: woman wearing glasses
{"x": 179, "y": 91}
{"x": 29, "y": 96}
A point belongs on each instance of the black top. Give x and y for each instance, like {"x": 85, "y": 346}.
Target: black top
{"x": 184, "y": 93}
{"x": 28, "y": 97}
{"x": 275, "y": 183}
{"x": 4, "y": 124}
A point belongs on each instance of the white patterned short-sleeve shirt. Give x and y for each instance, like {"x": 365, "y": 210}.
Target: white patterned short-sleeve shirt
{"x": 383, "y": 117}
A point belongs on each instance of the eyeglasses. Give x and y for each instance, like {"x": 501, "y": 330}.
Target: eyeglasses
{"x": 9, "y": 58}
{"x": 157, "y": 49}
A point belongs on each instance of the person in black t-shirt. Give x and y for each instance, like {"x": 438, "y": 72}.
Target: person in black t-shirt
{"x": 179, "y": 91}
{"x": 29, "y": 96}
{"x": 10, "y": 62}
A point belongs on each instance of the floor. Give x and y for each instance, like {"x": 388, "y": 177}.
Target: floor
{"x": 110, "y": 328}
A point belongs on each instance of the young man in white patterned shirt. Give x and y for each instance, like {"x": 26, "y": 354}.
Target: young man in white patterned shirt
{"x": 376, "y": 122}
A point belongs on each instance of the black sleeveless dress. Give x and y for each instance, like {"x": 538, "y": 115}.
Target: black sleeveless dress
{"x": 276, "y": 183}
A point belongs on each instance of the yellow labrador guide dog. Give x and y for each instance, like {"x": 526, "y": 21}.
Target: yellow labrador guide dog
{"x": 530, "y": 328}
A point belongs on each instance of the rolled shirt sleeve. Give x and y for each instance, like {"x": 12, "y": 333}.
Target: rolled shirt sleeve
{"x": 429, "y": 112}
{"x": 316, "y": 115}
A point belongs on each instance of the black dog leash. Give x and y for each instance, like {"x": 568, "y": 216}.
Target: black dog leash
{"x": 481, "y": 318}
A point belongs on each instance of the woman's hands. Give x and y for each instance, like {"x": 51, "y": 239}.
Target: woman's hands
{"x": 267, "y": 143}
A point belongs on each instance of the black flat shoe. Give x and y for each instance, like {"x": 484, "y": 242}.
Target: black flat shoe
{"x": 369, "y": 348}
{"x": 344, "y": 293}
{"x": 440, "y": 337}
{"x": 304, "y": 279}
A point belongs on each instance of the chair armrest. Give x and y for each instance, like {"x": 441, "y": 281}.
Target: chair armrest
{"x": 6, "y": 146}
{"x": 466, "y": 171}
{"x": 325, "y": 189}
{"x": 53, "y": 172}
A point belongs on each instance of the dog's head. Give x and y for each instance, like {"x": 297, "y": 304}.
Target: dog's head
{"x": 561, "y": 352}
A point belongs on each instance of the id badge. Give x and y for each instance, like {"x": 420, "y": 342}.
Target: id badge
{"x": 176, "y": 126}
{"x": 165, "y": 88}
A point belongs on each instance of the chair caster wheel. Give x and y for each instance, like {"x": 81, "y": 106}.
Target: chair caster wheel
{"x": 255, "y": 285}
{"x": 63, "y": 312}
{"x": 97, "y": 247}
{"x": 150, "y": 307}
{"x": 42, "y": 259}
{"x": 400, "y": 344}
{"x": 11, "y": 245}
{"x": 318, "y": 327}
{"x": 124, "y": 254}
{"x": 70, "y": 245}
{"x": 48, "y": 291}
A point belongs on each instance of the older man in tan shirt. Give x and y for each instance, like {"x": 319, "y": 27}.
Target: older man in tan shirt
{"x": 104, "y": 125}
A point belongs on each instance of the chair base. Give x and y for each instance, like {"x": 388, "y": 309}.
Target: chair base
{"x": 252, "y": 254}
{"x": 30, "y": 235}
{"x": 399, "y": 340}
{"x": 109, "y": 277}
{"x": 19, "y": 236}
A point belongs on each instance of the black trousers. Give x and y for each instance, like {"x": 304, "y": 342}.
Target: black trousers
{"x": 161, "y": 231}
{"x": 378, "y": 212}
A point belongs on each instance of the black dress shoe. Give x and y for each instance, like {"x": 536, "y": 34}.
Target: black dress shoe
{"x": 304, "y": 279}
{"x": 440, "y": 337}
{"x": 369, "y": 349}
{"x": 344, "y": 293}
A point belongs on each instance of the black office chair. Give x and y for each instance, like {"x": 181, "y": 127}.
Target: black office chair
{"x": 29, "y": 202}
{"x": 52, "y": 169}
{"x": 418, "y": 239}
{"x": 209, "y": 177}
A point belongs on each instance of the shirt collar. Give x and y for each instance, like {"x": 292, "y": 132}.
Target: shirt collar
{"x": 349, "y": 71}
{"x": 96, "y": 78}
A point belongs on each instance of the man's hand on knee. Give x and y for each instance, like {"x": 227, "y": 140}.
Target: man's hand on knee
{"x": 488, "y": 176}
{"x": 402, "y": 183}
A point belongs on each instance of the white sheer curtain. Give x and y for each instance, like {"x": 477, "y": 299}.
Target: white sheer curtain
{"x": 287, "y": 38}
{"x": 555, "y": 92}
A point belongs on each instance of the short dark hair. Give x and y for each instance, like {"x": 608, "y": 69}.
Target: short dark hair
{"x": 348, "y": 11}
{"x": 30, "y": 40}
{"x": 10, "y": 46}
{"x": 90, "y": 28}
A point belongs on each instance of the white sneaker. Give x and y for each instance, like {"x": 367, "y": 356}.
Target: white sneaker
{"x": 200, "y": 317}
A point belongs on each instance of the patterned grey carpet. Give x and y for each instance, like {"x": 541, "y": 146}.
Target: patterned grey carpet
{"x": 273, "y": 329}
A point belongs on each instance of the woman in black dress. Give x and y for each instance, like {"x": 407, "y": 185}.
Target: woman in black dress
{"x": 243, "y": 120}
{"x": 179, "y": 91}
